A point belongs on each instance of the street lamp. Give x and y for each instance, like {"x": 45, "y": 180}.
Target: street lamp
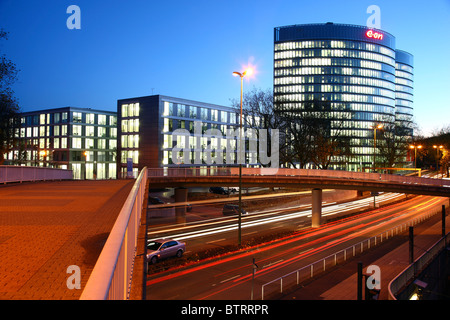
{"x": 415, "y": 153}
{"x": 43, "y": 153}
{"x": 241, "y": 75}
{"x": 379, "y": 126}
{"x": 85, "y": 164}
{"x": 437, "y": 155}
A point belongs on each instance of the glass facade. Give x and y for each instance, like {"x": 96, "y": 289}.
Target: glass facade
{"x": 83, "y": 140}
{"x": 363, "y": 78}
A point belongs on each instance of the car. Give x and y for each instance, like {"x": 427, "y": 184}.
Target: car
{"x": 218, "y": 190}
{"x": 232, "y": 209}
{"x": 155, "y": 200}
{"x": 163, "y": 249}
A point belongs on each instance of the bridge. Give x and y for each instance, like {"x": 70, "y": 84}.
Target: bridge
{"x": 180, "y": 178}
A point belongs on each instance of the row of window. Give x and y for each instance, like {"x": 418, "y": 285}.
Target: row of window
{"x": 130, "y": 110}
{"x": 335, "y": 89}
{"x": 334, "y": 53}
{"x": 62, "y": 143}
{"x": 330, "y": 44}
{"x": 207, "y": 157}
{"x": 333, "y": 97}
{"x": 130, "y": 125}
{"x": 63, "y": 117}
{"x": 346, "y": 62}
{"x": 404, "y": 67}
{"x": 130, "y": 141}
{"x": 403, "y": 74}
{"x": 345, "y": 106}
{"x": 193, "y": 112}
{"x": 370, "y": 73}
{"x": 56, "y": 130}
{"x": 335, "y": 79}
{"x": 404, "y": 96}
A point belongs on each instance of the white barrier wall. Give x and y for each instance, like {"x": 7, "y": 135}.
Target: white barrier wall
{"x": 20, "y": 174}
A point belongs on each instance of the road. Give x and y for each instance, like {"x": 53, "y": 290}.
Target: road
{"x": 230, "y": 277}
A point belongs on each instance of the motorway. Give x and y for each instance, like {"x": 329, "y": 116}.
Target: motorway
{"x": 230, "y": 276}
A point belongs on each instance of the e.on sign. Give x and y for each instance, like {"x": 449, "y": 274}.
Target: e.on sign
{"x": 374, "y": 35}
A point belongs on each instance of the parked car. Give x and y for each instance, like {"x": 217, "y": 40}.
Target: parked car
{"x": 155, "y": 200}
{"x": 232, "y": 209}
{"x": 163, "y": 249}
{"x": 218, "y": 190}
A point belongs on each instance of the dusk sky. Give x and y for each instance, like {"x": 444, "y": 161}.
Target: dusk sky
{"x": 189, "y": 49}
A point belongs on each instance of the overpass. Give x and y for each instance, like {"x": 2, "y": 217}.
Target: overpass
{"x": 181, "y": 178}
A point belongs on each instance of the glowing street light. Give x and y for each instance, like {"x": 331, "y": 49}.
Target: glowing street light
{"x": 247, "y": 72}
{"x": 415, "y": 153}
{"x": 379, "y": 126}
{"x": 437, "y": 155}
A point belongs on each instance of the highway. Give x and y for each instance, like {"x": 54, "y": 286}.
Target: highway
{"x": 230, "y": 276}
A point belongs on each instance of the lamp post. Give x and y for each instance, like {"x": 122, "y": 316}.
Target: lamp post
{"x": 241, "y": 75}
{"x": 437, "y": 156}
{"x": 379, "y": 126}
{"x": 43, "y": 153}
{"x": 415, "y": 153}
{"x": 85, "y": 164}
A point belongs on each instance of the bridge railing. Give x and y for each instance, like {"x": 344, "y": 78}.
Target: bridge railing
{"x": 411, "y": 272}
{"x": 22, "y": 174}
{"x": 283, "y": 172}
{"x": 112, "y": 274}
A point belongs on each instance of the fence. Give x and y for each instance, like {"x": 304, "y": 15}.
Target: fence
{"x": 281, "y": 172}
{"x": 21, "y": 174}
{"x": 298, "y": 276}
{"x": 112, "y": 274}
{"x": 413, "y": 270}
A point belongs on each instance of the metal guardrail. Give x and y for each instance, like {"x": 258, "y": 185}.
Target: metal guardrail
{"x": 281, "y": 172}
{"x": 414, "y": 269}
{"x": 21, "y": 174}
{"x": 112, "y": 274}
{"x": 298, "y": 276}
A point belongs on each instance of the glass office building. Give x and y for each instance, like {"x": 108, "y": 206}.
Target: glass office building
{"x": 149, "y": 136}
{"x": 79, "y": 139}
{"x": 356, "y": 69}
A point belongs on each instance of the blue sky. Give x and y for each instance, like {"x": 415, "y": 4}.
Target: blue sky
{"x": 189, "y": 49}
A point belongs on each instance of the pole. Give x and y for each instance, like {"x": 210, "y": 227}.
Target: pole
{"x": 411, "y": 244}
{"x": 240, "y": 170}
{"x": 359, "y": 280}
{"x": 443, "y": 220}
{"x": 254, "y": 267}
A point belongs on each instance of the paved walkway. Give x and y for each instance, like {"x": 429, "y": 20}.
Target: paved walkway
{"x": 47, "y": 226}
{"x": 392, "y": 257}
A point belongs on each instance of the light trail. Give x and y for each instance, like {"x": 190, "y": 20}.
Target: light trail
{"x": 275, "y": 217}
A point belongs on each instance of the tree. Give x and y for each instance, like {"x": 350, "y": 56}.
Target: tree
{"x": 9, "y": 109}
{"x": 393, "y": 142}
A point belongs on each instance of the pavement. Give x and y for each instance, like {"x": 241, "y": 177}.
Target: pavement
{"x": 391, "y": 256}
{"x": 45, "y": 227}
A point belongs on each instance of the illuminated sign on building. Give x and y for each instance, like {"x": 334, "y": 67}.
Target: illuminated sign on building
{"x": 374, "y": 35}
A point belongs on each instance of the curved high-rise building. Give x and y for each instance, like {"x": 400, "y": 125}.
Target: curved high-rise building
{"x": 357, "y": 70}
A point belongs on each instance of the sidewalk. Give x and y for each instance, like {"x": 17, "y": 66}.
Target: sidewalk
{"x": 45, "y": 227}
{"x": 392, "y": 257}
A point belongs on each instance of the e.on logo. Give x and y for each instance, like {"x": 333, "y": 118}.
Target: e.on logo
{"x": 374, "y": 35}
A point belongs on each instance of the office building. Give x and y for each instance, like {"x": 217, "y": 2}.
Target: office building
{"x": 357, "y": 70}
{"x": 79, "y": 139}
{"x": 149, "y": 136}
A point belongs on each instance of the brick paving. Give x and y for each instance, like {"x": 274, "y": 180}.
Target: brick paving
{"x": 47, "y": 226}
{"x": 392, "y": 257}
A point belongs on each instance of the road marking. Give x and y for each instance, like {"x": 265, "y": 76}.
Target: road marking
{"x": 223, "y": 281}
{"x": 306, "y": 251}
{"x": 246, "y": 234}
{"x": 212, "y": 241}
{"x": 272, "y": 263}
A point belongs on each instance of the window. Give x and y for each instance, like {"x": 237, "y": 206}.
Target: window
{"x": 63, "y": 143}
{"x": 101, "y": 143}
{"x": 56, "y": 130}
{"x": 112, "y": 120}
{"x": 77, "y": 117}
{"x": 89, "y": 143}
{"x": 192, "y": 112}
{"x": 90, "y": 118}
{"x": 56, "y": 143}
{"x": 181, "y": 110}
{"x": 101, "y": 132}
{"x": 76, "y": 130}
{"x": 102, "y": 119}
{"x": 214, "y": 115}
{"x": 76, "y": 143}
{"x": 64, "y": 117}
{"x": 124, "y": 110}
{"x": 42, "y": 119}
{"x": 64, "y": 130}
{"x": 113, "y": 132}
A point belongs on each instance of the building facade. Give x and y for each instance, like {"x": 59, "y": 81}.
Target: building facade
{"x": 161, "y": 131}
{"x": 357, "y": 70}
{"x": 82, "y": 140}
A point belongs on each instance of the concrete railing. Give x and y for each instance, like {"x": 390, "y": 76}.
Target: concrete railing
{"x": 112, "y": 274}
{"x": 281, "y": 172}
{"x": 21, "y": 174}
{"x": 404, "y": 278}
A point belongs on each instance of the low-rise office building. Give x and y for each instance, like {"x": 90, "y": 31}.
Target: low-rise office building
{"x": 79, "y": 139}
{"x": 161, "y": 131}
